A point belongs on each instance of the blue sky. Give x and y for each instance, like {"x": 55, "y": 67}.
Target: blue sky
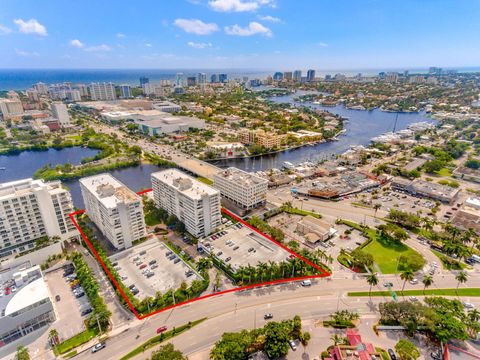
{"x": 254, "y": 34}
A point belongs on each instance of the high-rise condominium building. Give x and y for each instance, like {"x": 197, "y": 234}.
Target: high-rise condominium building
{"x": 125, "y": 91}
{"x": 31, "y": 209}
{"x": 194, "y": 203}
{"x": 222, "y": 78}
{"x": 214, "y": 78}
{"x": 144, "y": 80}
{"x": 287, "y": 76}
{"x": 278, "y": 76}
{"x": 42, "y": 88}
{"x": 10, "y": 108}
{"x": 102, "y": 91}
{"x": 60, "y": 112}
{"x": 297, "y": 75}
{"x": 244, "y": 189}
{"x": 310, "y": 75}
{"x": 115, "y": 209}
{"x": 202, "y": 78}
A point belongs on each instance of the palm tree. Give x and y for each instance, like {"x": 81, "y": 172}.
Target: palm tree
{"x": 372, "y": 280}
{"x": 304, "y": 339}
{"x": 461, "y": 278}
{"x": 337, "y": 339}
{"x": 376, "y": 207}
{"x": 406, "y": 275}
{"x": 53, "y": 337}
{"x": 427, "y": 281}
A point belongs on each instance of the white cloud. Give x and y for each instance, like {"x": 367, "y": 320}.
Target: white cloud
{"x": 196, "y": 45}
{"x": 148, "y": 45}
{"x": 252, "y": 29}
{"x": 31, "y": 26}
{"x": 77, "y": 43}
{"x": 195, "y": 26}
{"x": 26, "y": 53}
{"x": 98, "y": 48}
{"x": 238, "y": 5}
{"x": 322, "y": 44}
{"x": 120, "y": 35}
{"x": 272, "y": 19}
{"x": 4, "y": 30}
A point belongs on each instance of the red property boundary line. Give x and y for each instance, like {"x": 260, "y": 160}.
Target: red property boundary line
{"x": 323, "y": 272}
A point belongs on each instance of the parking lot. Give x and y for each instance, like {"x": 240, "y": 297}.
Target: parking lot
{"x": 404, "y": 202}
{"x": 148, "y": 268}
{"x": 241, "y": 246}
{"x": 67, "y": 310}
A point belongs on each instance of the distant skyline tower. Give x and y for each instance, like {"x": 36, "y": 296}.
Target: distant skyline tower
{"x": 288, "y": 76}
{"x": 214, "y": 78}
{"x": 125, "y": 91}
{"x": 297, "y": 75}
{"x": 179, "y": 79}
{"x": 222, "y": 78}
{"x": 202, "y": 78}
{"x": 278, "y": 76}
{"x": 144, "y": 80}
{"x": 310, "y": 75}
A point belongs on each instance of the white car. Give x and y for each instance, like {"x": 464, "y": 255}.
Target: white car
{"x": 414, "y": 281}
{"x": 413, "y": 298}
{"x": 13, "y": 288}
{"x": 468, "y": 305}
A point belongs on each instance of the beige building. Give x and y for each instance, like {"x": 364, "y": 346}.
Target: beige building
{"x": 314, "y": 229}
{"x": 260, "y": 137}
{"x": 10, "y": 108}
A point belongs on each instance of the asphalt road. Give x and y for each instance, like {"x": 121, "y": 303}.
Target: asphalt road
{"x": 235, "y": 311}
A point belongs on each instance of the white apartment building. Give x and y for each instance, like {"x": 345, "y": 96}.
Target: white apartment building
{"x": 244, "y": 189}
{"x": 60, "y": 112}
{"x": 115, "y": 209}
{"x": 102, "y": 91}
{"x": 30, "y": 209}
{"x": 10, "y": 107}
{"x": 194, "y": 203}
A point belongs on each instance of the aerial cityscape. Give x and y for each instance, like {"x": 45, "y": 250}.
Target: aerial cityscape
{"x": 240, "y": 180}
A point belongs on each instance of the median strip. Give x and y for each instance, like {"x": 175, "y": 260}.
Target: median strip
{"x": 439, "y": 292}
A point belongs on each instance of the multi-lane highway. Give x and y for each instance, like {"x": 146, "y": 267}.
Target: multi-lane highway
{"x": 235, "y": 311}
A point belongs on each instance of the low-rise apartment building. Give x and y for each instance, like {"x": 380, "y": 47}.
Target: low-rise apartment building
{"x": 194, "y": 203}
{"x": 245, "y": 190}
{"x": 115, "y": 209}
{"x": 31, "y": 209}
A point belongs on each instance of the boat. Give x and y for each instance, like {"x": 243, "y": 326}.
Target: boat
{"x": 288, "y": 165}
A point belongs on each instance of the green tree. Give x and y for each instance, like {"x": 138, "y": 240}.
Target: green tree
{"x": 406, "y": 275}
{"x": 22, "y": 353}
{"x": 372, "y": 280}
{"x": 406, "y": 350}
{"x": 304, "y": 339}
{"x": 276, "y": 339}
{"x": 232, "y": 346}
{"x": 461, "y": 278}
{"x": 427, "y": 282}
{"x": 168, "y": 352}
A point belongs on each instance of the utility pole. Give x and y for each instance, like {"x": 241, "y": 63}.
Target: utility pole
{"x": 98, "y": 323}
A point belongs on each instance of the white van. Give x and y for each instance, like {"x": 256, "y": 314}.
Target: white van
{"x": 306, "y": 282}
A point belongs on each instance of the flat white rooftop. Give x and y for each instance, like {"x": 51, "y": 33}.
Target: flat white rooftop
{"x": 21, "y": 187}
{"x": 185, "y": 184}
{"x": 29, "y": 294}
{"x": 108, "y": 190}
{"x": 240, "y": 177}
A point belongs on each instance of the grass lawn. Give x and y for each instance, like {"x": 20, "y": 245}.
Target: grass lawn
{"x": 386, "y": 254}
{"x": 449, "y": 263}
{"x": 440, "y": 292}
{"x": 444, "y": 172}
{"x": 77, "y": 340}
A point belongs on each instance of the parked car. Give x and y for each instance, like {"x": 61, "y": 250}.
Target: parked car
{"x": 413, "y": 298}
{"x": 86, "y": 311}
{"x": 392, "y": 355}
{"x": 268, "y": 316}
{"x": 161, "y": 329}
{"x": 414, "y": 281}
{"x": 388, "y": 284}
{"x": 143, "y": 266}
{"x": 468, "y": 305}
{"x": 152, "y": 262}
{"x": 98, "y": 347}
{"x": 306, "y": 282}
{"x": 57, "y": 298}
{"x": 292, "y": 344}
{"x": 228, "y": 259}
{"x": 236, "y": 247}
{"x": 150, "y": 274}
{"x": 176, "y": 261}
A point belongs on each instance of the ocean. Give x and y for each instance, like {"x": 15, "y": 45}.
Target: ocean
{"x": 21, "y": 79}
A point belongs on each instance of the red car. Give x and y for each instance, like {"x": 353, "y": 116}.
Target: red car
{"x": 143, "y": 266}
{"x": 161, "y": 329}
